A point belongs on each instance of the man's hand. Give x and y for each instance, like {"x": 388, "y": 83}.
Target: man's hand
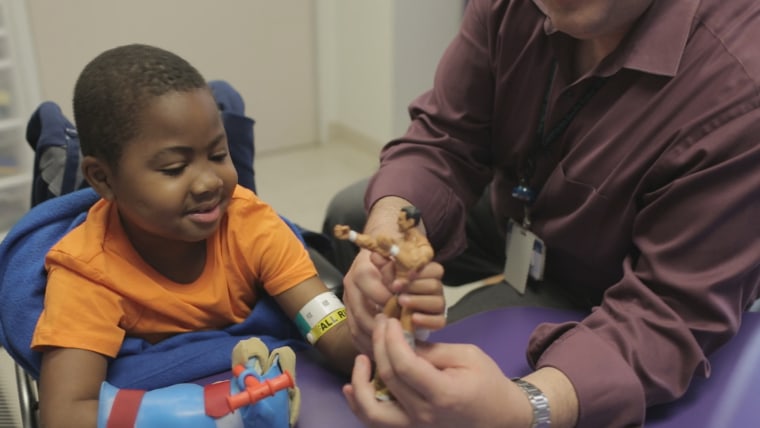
{"x": 441, "y": 385}
{"x": 369, "y": 284}
{"x": 448, "y": 385}
{"x": 366, "y": 289}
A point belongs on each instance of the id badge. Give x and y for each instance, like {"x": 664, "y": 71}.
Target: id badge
{"x": 525, "y": 256}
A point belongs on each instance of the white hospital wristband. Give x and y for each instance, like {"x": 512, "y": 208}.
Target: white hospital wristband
{"x": 319, "y": 315}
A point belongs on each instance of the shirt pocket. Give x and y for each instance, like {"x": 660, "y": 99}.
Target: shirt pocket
{"x": 585, "y": 230}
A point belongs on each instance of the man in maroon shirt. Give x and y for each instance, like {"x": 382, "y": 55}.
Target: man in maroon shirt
{"x": 623, "y": 135}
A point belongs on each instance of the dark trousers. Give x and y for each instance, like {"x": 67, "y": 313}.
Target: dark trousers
{"x": 483, "y": 257}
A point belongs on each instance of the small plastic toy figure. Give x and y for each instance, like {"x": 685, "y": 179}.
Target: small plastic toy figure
{"x": 409, "y": 255}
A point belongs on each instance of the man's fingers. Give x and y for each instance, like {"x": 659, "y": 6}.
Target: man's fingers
{"x": 432, "y": 305}
{"x": 426, "y": 281}
{"x": 360, "y": 394}
{"x": 449, "y": 355}
{"x": 360, "y": 390}
{"x": 410, "y": 378}
{"x": 428, "y": 322}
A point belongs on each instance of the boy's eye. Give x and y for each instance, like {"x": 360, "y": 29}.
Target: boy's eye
{"x": 219, "y": 157}
{"x": 172, "y": 172}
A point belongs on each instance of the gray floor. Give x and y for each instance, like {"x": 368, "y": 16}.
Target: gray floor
{"x": 299, "y": 182}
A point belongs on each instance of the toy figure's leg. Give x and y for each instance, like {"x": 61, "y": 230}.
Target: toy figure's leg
{"x": 394, "y": 310}
{"x": 405, "y": 317}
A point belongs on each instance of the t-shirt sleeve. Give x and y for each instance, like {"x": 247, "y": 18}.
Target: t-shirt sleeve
{"x": 285, "y": 263}
{"x": 276, "y": 256}
{"x": 78, "y": 313}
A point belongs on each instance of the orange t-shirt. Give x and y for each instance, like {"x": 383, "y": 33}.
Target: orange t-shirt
{"x": 99, "y": 289}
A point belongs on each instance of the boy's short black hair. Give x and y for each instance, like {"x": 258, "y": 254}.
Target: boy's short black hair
{"x": 115, "y": 87}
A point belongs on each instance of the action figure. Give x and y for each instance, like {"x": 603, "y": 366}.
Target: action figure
{"x": 409, "y": 254}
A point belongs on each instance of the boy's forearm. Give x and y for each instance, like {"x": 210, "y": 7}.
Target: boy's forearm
{"x": 78, "y": 414}
{"x": 69, "y": 387}
{"x": 338, "y": 349}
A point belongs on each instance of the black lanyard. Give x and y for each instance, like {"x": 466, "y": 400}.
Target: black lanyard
{"x": 543, "y": 139}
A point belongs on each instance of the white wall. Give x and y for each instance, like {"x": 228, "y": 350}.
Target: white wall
{"x": 373, "y": 58}
{"x": 264, "y": 48}
{"x": 303, "y": 67}
{"x": 423, "y": 30}
{"x": 363, "y": 34}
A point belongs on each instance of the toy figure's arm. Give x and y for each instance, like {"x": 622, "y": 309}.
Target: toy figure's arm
{"x": 69, "y": 386}
{"x": 378, "y": 245}
{"x": 385, "y": 245}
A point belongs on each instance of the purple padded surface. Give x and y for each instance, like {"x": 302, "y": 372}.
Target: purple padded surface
{"x": 727, "y": 398}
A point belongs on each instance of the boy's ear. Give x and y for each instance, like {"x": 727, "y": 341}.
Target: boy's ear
{"x": 98, "y": 174}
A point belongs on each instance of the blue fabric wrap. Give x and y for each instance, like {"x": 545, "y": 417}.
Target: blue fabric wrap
{"x": 239, "y": 128}
{"x": 182, "y": 358}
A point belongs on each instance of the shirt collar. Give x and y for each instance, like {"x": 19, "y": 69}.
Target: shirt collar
{"x": 656, "y": 44}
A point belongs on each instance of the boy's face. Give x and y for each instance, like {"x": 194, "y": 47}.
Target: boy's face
{"x": 175, "y": 179}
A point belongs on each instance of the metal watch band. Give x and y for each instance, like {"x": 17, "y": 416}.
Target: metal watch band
{"x": 541, "y": 414}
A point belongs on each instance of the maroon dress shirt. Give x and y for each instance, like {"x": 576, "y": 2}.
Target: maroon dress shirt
{"x": 650, "y": 197}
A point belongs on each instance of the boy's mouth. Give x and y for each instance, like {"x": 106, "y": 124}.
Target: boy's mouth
{"x": 206, "y": 213}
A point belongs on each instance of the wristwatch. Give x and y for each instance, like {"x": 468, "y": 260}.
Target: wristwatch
{"x": 538, "y": 401}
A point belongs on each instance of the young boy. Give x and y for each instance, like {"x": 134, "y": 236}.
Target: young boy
{"x": 174, "y": 245}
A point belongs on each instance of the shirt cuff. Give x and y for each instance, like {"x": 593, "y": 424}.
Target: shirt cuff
{"x": 608, "y": 390}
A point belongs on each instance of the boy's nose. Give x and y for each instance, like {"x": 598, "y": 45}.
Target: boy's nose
{"x": 207, "y": 181}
